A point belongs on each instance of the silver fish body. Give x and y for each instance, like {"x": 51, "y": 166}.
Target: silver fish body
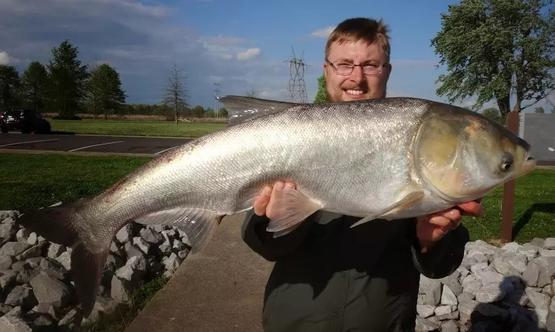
{"x": 390, "y": 158}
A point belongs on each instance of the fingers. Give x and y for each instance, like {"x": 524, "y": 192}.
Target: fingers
{"x": 264, "y": 199}
{"x": 472, "y": 208}
{"x": 446, "y": 220}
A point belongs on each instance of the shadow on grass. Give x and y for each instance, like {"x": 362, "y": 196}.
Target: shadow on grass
{"x": 525, "y": 219}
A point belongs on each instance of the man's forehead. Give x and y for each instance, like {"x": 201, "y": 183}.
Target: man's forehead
{"x": 360, "y": 47}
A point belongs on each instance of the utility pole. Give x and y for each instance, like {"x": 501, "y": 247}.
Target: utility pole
{"x": 217, "y": 92}
{"x": 297, "y": 88}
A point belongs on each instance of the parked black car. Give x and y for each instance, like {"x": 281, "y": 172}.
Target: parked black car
{"x": 27, "y": 121}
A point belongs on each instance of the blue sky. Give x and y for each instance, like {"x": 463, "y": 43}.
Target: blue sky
{"x": 237, "y": 46}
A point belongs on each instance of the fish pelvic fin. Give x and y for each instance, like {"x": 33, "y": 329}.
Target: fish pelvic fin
{"x": 87, "y": 260}
{"x": 198, "y": 224}
{"x": 242, "y": 108}
{"x": 407, "y": 201}
{"x": 293, "y": 208}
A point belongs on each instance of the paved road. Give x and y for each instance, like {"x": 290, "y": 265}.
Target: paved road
{"x": 89, "y": 143}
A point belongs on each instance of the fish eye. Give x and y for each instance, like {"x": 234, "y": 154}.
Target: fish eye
{"x": 506, "y": 162}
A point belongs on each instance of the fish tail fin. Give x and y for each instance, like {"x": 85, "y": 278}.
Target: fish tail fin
{"x": 87, "y": 259}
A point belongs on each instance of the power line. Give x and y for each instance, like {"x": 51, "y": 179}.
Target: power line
{"x": 297, "y": 87}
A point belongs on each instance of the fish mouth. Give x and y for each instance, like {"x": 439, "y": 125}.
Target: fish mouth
{"x": 528, "y": 166}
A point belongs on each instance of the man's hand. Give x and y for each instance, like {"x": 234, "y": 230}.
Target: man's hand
{"x": 433, "y": 227}
{"x": 264, "y": 205}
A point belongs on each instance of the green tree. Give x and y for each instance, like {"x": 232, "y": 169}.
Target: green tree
{"x": 34, "y": 85}
{"x": 321, "y": 95}
{"x": 493, "y": 114}
{"x": 175, "y": 96}
{"x": 539, "y": 110}
{"x": 493, "y": 48}
{"x": 67, "y": 80}
{"x": 9, "y": 88}
{"x": 198, "y": 111}
{"x": 104, "y": 93}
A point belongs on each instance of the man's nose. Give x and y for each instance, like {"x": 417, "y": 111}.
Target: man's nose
{"x": 358, "y": 75}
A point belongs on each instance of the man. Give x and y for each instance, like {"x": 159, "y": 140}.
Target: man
{"x": 329, "y": 276}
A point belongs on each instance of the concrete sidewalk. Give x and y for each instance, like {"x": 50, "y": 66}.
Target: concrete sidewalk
{"x": 220, "y": 288}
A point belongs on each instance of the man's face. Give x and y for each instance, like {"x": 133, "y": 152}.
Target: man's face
{"x": 357, "y": 85}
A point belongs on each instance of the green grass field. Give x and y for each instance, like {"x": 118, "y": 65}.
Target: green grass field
{"x": 136, "y": 128}
{"x": 34, "y": 180}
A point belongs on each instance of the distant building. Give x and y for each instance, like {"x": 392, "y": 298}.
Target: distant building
{"x": 538, "y": 129}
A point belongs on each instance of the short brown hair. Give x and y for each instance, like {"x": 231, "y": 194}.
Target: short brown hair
{"x": 361, "y": 28}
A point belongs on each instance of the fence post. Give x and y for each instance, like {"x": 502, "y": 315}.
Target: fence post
{"x": 507, "y": 207}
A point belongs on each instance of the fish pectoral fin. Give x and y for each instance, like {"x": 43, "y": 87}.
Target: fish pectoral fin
{"x": 198, "y": 224}
{"x": 292, "y": 208}
{"x": 407, "y": 201}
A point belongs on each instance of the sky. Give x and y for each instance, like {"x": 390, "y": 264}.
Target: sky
{"x": 221, "y": 47}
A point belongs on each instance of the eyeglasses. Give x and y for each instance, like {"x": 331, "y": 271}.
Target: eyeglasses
{"x": 346, "y": 68}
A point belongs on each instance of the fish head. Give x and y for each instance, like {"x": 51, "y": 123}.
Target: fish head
{"x": 463, "y": 155}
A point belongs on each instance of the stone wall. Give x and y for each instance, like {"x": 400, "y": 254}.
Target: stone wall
{"x": 503, "y": 289}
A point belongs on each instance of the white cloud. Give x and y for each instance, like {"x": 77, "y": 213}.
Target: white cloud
{"x": 4, "y": 58}
{"x": 322, "y": 33}
{"x": 248, "y": 54}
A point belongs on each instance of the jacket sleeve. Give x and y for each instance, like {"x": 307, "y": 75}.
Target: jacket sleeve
{"x": 258, "y": 239}
{"x": 444, "y": 257}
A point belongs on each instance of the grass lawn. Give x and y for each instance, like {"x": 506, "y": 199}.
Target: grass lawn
{"x": 50, "y": 178}
{"x": 29, "y": 181}
{"x": 136, "y": 128}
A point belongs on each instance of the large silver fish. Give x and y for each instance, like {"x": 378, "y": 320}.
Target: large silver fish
{"x": 390, "y": 158}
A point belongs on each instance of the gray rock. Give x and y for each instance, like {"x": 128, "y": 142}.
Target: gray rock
{"x": 141, "y": 244}
{"x": 171, "y": 263}
{"x": 50, "y": 290}
{"x": 102, "y": 306}
{"x": 550, "y": 321}
{"x": 453, "y": 315}
{"x": 53, "y": 268}
{"x": 132, "y": 270}
{"x": 529, "y": 250}
{"x": 65, "y": 259}
{"x": 549, "y": 243}
{"x": 22, "y": 234}
{"x": 424, "y": 325}
{"x": 21, "y": 296}
{"x": 442, "y": 310}
{"x": 118, "y": 290}
{"x": 489, "y": 276}
{"x": 12, "y": 323}
{"x": 466, "y": 308}
{"x": 448, "y": 297}
{"x": 489, "y": 293}
{"x": 531, "y": 275}
{"x": 5, "y": 262}
{"x": 33, "y": 239}
{"x": 478, "y": 267}
{"x": 538, "y": 242}
{"x": 424, "y": 310}
{"x": 70, "y": 320}
{"x": 7, "y": 232}
{"x": 34, "y": 251}
{"x": 547, "y": 252}
{"x": 13, "y": 248}
{"x": 150, "y": 236}
{"x": 124, "y": 234}
{"x": 540, "y": 303}
{"x": 8, "y": 216}
{"x": 546, "y": 266}
{"x": 510, "y": 263}
{"x": 55, "y": 250}
{"x": 431, "y": 289}
{"x": 471, "y": 284}
{"x": 511, "y": 247}
{"x": 131, "y": 250}
{"x": 7, "y": 279}
{"x": 45, "y": 308}
{"x": 449, "y": 326}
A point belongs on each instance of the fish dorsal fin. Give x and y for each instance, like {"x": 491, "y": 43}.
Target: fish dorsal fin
{"x": 407, "y": 201}
{"x": 198, "y": 224}
{"x": 294, "y": 208}
{"x": 241, "y": 109}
